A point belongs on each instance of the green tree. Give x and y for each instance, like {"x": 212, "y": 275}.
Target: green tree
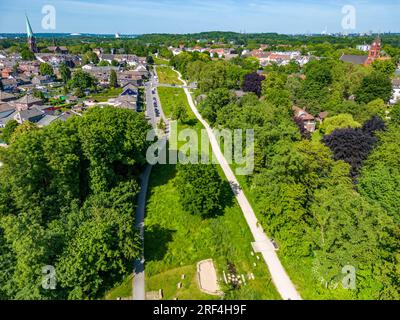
{"x": 82, "y": 80}
{"x": 103, "y": 63}
{"x": 214, "y": 102}
{"x": 67, "y": 198}
{"x": 113, "y": 79}
{"x": 9, "y": 130}
{"x": 374, "y": 86}
{"x": 338, "y": 122}
{"x": 387, "y": 67}
{"x": 180, "y": 113}
{"x": 46, "y": 70}
{"x": 201, "y": 189}
{"x": 395, "y": 114}
{"x": 90, "y": 57}
{"x": 65, "y": 72}
{"x": 27, "y": 55}
{"x": 150, "y": 60}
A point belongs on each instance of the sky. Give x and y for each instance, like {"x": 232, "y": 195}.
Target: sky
{"x": 190, "y": 16}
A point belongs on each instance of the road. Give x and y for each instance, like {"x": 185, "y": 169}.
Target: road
{"x": 139, "y": 286}
{"x": 280, "y": 278}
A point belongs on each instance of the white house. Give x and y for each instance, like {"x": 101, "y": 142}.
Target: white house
{"x": 396, "y": 91}
{"x": 364, "y": 47}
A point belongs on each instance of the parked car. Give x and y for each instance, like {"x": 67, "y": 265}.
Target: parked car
{"x": 276, "y": 247}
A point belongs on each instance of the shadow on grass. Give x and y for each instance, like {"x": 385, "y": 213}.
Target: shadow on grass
{"x": 156, "y": 242}
{"x": 190, "y": 122}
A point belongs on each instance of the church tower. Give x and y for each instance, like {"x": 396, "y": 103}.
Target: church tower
{"x": 375, "y": 51}
{"x": 31, "y": 38}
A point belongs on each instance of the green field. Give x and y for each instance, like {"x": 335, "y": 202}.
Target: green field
{"x": 107, "y": 94}
{"x": 175, "y": 240}
{"x": 172, "y": 97}
{"x": 121, "y": 290}
{"x": 160, "y": 61}
{"x": 168, "y": 76}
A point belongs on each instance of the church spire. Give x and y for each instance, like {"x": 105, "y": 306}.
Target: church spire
{"x": 31, "y": 37}
{"x": 28, "y": 28}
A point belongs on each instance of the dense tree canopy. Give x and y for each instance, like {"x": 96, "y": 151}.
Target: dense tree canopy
{"x": 46, "y": 69}
{"x": 201, "y": 189}
{"x": 69, "y": 191}
{"x": 82, "y": 80}
{"x": 65, "y": 72}
{"x": 375, "y": 86}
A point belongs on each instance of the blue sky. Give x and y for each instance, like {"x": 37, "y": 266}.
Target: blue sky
{"x": 173, "y": 16}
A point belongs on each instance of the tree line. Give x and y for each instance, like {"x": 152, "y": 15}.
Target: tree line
{"x": 67, "y": 199}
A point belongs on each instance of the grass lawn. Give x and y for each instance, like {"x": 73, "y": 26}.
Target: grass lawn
{"x": 160, "y": 61}
{"x": 176, "y": 240}
{"x": 105, "y": 95}
{"x": 168, "y": 76}
{"x": 169, "y": 280}
{"x": 122, "y": 290}
{"x": 171, "y": 98}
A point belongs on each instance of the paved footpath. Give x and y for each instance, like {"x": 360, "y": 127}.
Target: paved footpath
{"x": 262, "y": 243}
{"x": 139, "y": 290}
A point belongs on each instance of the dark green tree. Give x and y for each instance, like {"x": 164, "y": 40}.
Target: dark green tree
{"x": 201, "y": 189}
{"x": 65, "y": 72}
{"x": 46, "y": 70}
{"x": 9, "y": 130}
{"x": 113, "y": 79}
{"x": 374, "y": 86}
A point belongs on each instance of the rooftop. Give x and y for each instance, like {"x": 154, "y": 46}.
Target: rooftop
{"x": 354, "y": 59}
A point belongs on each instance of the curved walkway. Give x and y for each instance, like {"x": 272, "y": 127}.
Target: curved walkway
{"x": 280, "y": 278}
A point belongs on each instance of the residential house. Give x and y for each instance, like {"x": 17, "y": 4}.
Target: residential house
{"x": 307, "y": 119}
{"x": 33, "y": 115}
{"x": 102, "y": 74}
{"x": 6, "y": 109}
{"x": 6, "y": 97}
{"x": 26, "y": 102}
{"x": 46, "y": 120}
{"x": 279, "y": 58}
{"x": 129, "y": 59}
{"x": 40, "y": 80}
{"x": 175, "y": 51}
{"x": 130, "y": 77}
{"x": 10, "y": 84}
{"x": 220, "y": 52}
{"x": 259, "y": 54}
{"x": 58, "y": 50}
{"x": 130, "y": 90}
{"x": 6, "y": 73}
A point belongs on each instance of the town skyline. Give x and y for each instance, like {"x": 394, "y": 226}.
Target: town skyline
{"x": 172, "y": 17}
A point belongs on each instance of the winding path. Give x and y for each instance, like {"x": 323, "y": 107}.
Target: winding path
{"x": 262, "y": 243}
